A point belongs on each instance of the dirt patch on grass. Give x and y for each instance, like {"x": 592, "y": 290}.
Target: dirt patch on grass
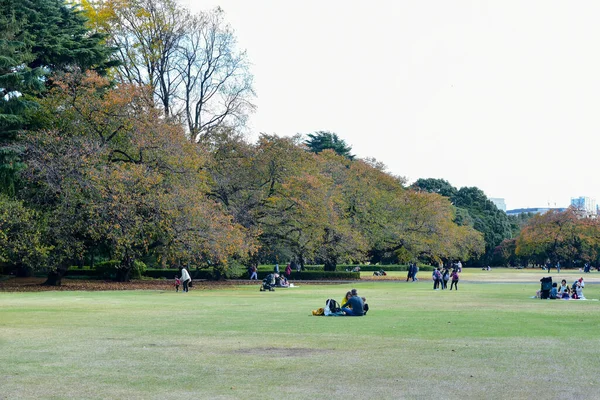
{"x": 281, "y": 352}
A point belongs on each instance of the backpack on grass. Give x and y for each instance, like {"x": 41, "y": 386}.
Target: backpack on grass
{"x": 332, "y": 306}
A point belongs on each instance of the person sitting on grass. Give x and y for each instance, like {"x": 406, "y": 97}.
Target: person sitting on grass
{"x": 577, "y": 292}
{"x": 563, "y": 287}
{"x": 365, "y": 306}
{"x": 354, "y": 307}
{"x": 554, "y": 291}
{"x": 347, "y": 297}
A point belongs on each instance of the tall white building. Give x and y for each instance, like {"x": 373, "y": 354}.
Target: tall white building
{"x": 500, "y": 203}
{"x": 586, "y": 204}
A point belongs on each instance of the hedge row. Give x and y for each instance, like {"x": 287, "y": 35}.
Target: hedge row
{"x": 209, "y": 274}
{"x": 343, "y": 267}
{"x": 318, "y": 275}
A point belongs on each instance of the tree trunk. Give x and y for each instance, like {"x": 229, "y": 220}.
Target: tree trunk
{"x": 301, "y": 261}
{"x": 123, "y": 274}
{"x": 330, "y": 265}
{"x": 124, "y": 271}
{"x": 54, "y": 277}
{"x": 24, "y": 272}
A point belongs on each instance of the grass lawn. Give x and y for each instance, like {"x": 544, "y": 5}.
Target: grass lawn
{"x": 486, "y": 341}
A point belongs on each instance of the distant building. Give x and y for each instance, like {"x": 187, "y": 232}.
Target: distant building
{"x": 538, "y": 210}
{"x": 586, "y": 205}
{"x": 500, "y": 203}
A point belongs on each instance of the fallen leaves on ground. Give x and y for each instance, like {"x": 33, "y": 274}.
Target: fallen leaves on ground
{"x": 35, "y": 285}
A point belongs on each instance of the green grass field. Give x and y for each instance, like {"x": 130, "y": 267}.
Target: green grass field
{"x": 486, "y": 341}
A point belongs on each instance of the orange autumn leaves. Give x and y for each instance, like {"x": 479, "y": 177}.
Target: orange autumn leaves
{"x": 559, "y": 236}
{"x": 113, "y": 173}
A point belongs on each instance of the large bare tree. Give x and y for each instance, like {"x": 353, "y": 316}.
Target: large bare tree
{"x": 217, "y": 83}
{"x": 190, "y": 60}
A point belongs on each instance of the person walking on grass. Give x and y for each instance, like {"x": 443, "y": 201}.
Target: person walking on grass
{"x": 177, "y": 283}
{"x": 445, "y": 278}
{"x": 437, "y": 277}
{"x": 253, "y": 275}
{"x": 454, "y": 277}
{"x": 410, "y": 272}
{"x": 185, "y": 278}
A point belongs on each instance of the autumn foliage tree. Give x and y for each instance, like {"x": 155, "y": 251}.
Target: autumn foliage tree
{"x": 190, "y": 61}
{"x": 113, "y": 173}
{"x": 560, "y": 236}
{"x": 328, "y": 208}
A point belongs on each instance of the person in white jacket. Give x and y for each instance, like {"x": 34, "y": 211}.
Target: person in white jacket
{"x": 185, "y": 278}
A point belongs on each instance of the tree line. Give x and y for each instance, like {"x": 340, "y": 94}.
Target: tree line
{"x": 122, "y": 140}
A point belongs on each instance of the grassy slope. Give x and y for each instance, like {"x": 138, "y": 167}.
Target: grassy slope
{"x": 484, "y": 341}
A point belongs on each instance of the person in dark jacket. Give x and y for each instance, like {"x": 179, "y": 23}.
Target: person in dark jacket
{"x": 357, "y": 305}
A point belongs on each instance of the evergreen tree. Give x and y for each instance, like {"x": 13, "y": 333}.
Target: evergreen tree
{"x": 473, "y": 208}
{"x": 17, "y": 80}
{"x": 323, "y": 140}
{"x": 37, "y": 37}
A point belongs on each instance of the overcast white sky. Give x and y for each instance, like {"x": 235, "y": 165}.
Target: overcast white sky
{"x": 502, "y": 95}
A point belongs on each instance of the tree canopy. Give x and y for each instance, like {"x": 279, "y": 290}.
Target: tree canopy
{"x": 473, "y": 208}
{"x": 323, "y": 140}
{"x": 37, "y": 37}
{"x": 138, "y": 156}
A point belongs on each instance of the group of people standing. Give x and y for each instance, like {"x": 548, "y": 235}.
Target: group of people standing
{"x": 442, "y": 276}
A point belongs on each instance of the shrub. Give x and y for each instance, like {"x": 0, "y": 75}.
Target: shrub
{"x": 108, "y": 269}
{"x": 171, "y": 273}
{"x": 316, "y": 275}
{"x": 235, "y": 270}
{"x": 91, "y": 273}
{"x": 139, "y": 267}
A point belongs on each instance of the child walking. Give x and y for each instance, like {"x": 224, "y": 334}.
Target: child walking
{"x": 177, "y": 283}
